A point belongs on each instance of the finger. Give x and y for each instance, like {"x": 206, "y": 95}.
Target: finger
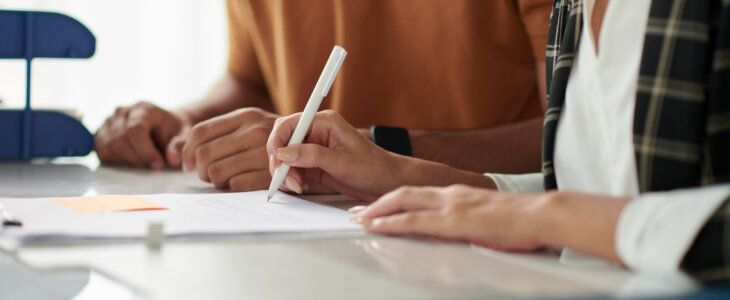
{"x": 281, "y": 133}
{"x": 317, "y": 188}
{"x": 120, "y": 145}
{"x": 204, "y": 132}
{"x": 122, "y": 150}
{"x": 323, "y": 122}
{"x": 106, "y": 156}
{"x": 101, "y": 144}
{"x": 356, "y": 209}
{"x": 220, "y": 171}
{"x": 272, "y": 164}
{"x": 140, "y": 137}
{"x": 332, "y": 182}
{"x": 104, "y": 138}
{"x": 121, "y": 112}
{"x": 419, "y": 222}
{"x": 315, "y": 156}
{"x": 174, "y": 150}
{"x": 165, "y": 126}
{"x": 227, "y": 145}
{"x": 320, "y": 182}
{"x": 402, "y": 200}
{"x": 293, "y": 181}
{"x": 250, "y": 181}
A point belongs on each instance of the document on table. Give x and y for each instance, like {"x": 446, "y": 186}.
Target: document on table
{"x": 182, "y": 215}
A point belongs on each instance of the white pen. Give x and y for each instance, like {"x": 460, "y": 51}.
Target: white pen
{"x": 320, "y": 91}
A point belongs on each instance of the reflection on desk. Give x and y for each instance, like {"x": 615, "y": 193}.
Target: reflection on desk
{"x": 314, "y": 266}
{"x": 20, "y": 282}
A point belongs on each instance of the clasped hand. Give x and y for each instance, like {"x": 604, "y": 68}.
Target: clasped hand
{"x": 228, "y": 151}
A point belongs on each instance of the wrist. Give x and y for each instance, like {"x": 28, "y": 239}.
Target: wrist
{"x": 419, "y": 172}
{"x": 546, "y": 218}
{"x": 406, "y": 170}
{"x": 582, "y": 222}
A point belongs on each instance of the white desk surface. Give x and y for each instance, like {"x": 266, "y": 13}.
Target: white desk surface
{"x": 321, "y": 266}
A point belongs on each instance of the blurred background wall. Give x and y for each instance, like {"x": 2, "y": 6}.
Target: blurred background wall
{"x": 169, "y": 52}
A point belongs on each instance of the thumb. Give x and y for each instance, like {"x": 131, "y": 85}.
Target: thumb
{"x": 173, "y": 151}
{"x": 315, "y": 156}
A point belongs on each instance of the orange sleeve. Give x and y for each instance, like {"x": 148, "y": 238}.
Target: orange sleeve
{"x": 535, "y": 16}
{"x": 242, "y": 61}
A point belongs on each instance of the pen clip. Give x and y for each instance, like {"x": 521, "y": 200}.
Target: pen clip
{"x": 341, "y": 58}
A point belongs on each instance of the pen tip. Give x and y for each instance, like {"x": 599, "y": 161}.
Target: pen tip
{"x": 268, "y": 198}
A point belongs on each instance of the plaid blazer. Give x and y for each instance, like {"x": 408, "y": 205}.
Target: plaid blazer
{"x": 681, "y": 129}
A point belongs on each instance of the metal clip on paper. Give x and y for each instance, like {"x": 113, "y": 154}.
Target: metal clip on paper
{"x": 155, "y": 235}
{"x": 28, "y": 133}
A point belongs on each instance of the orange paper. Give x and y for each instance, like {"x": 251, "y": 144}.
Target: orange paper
{"x": 108, "y": 203}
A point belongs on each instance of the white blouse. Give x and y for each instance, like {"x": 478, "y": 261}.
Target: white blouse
{"x": 594, "y": 150}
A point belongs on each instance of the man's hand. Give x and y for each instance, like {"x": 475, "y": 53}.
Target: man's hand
{"x": 230, "y": 150}
{"x": 142, "y": 135}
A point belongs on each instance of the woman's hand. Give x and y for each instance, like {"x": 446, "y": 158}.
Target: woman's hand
{"x": 499, "y": 220}
{"x": 335, "y": 154}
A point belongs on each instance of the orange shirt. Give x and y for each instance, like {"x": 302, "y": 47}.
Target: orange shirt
{"x": 419, "y": 64}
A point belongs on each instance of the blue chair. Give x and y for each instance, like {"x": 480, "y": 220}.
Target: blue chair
{"x": 29, "y": 133}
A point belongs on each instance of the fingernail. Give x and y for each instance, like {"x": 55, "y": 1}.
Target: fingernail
{"x": 364, "y": 222}
{"x": 357, "y": 209}
{"x": 287, "y": 154}
{"x": 157, "y": 165}
{"x": 293, "y": 185}
{"x": 356, "y": 220}
{"x": 186, "y": 168}
{"x": 375, "y": 223}
{"x": 271, "y": 162}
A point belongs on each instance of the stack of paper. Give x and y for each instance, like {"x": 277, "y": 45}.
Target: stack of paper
{"x": 125, "y": 216}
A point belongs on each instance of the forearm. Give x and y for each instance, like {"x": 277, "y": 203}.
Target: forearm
{"x": 419, "y": 172}
{"x": 585, "y": 223}
{"x": 513, "y": 148}
{"x": 227, "y": 95}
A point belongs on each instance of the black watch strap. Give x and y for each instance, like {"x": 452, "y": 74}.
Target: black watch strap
{"x": 393, "y": 139}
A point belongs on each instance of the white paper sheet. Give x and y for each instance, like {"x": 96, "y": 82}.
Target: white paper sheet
{"x": 187, "y": 215}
